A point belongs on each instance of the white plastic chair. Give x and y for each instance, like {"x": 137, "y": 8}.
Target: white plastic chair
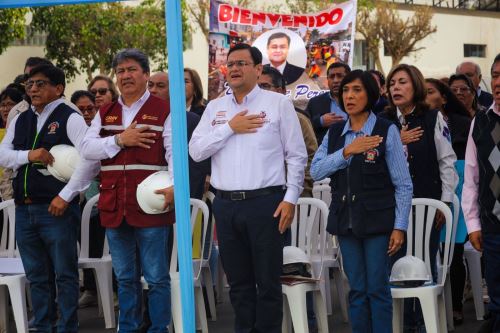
{"x": 447, "y": 285}
{"x": 431, "y": 296}
{"x": 101, "y": 267}
{"x": 175, "y": 284}
{"x": 220, "y": 281}
{"x": 332, "y": 260}
{"x": 473, "y": 259}
{"x": 310, "y": 217}
{"x": 206, "y": 273}
{"x": 8, "y": 241}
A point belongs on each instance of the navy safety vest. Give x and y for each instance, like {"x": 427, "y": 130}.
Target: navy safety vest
{"x": 362, "y": 193}
{"x": 33, "y": 180}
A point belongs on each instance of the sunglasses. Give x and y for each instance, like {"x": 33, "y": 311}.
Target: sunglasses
{"x": 101, "y": 91}
{"x": 38, "y": 83}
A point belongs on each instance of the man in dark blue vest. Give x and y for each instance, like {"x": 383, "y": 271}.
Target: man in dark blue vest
{"x": 47, "y": 213}
{"x": 481, "y": 193}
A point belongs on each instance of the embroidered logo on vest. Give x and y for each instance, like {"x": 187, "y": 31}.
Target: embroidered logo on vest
{"x": 148, "y": 117}
{"x": 110, "y": 119}
{"x": 371, "y": 155}
{"x": 53, "y": 127}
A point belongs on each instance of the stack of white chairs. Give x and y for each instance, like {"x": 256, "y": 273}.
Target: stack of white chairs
{"x": 101, "y": 267}
{"x": 308, "y": 232}
{"x": 12, "y": 278}
{"x": 332, "y": 260}
{"x": 430, "y": 295}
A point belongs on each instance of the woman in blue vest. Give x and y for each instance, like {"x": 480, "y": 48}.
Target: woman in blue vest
{"x": 371, "y": 199}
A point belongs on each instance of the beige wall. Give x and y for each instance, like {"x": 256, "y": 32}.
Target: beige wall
{"x": 444, "y": 50}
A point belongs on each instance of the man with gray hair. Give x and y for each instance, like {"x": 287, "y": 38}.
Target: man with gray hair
{"x": 132, "y": 139}
{"x": 473, "y": 72}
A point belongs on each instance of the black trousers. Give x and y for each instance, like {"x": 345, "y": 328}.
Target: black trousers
{"x": 251, "y": 249}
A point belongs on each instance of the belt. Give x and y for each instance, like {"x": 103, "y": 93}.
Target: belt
{"x": 244, "y": 195}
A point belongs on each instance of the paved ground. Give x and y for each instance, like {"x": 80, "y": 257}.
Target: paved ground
{"x": 91, "y": 323}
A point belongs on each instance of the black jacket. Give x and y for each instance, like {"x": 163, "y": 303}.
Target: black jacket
{"x": 317, "y": 107}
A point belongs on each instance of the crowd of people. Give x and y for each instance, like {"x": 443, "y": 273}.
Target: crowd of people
{"x": 381, "y": 140}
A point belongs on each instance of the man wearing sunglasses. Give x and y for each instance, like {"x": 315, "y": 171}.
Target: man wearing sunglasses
{"x": 47, "y": 211}
{"x": 250, "y": 135}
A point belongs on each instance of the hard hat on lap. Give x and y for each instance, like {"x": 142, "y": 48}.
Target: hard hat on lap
{"x": 148, "y": 200}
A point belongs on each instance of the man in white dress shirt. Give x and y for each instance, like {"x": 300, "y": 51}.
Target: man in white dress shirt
{"x": 250, "y": 135}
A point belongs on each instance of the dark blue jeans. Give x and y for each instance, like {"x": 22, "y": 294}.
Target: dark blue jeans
{"x": 251, "y": 250}
{"x": 48, "y": 245}
{"x": 135, "y": 250}
{"x": 366, "y": 264}
{"x": 491, "y": 255}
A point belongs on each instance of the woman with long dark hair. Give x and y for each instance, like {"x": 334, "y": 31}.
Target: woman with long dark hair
{"x": 371, "y": 199}
{"x": 457, "y": 117}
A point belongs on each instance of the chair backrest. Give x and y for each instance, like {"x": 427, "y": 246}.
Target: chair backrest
{"x": 196, "y": 206}
{"x": 420, "y": 225}
{"x": 8, "y": 240}
{"x": 325, "y": 181}
{"x": 322, "y": 192}
{"x": 210, "y": 232}
{"x": 456, "y": 214}
{"x": 84, "y": 230}
{"x": 308, "y": 228}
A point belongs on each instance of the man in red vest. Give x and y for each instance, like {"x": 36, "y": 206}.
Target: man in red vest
{"x": 132, "y": 139}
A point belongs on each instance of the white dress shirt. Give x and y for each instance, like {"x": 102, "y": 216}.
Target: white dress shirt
{"x": 445, "y": 155}
{"x": 75, "y": 128}
{"x": 96, "y": 148}
{"x": 255, "y": 160}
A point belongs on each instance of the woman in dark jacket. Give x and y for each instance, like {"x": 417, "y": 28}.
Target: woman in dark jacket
{"x": 431, "y": 158}
{"x": 194, "y": 92}
{"x": 371, "y": 199}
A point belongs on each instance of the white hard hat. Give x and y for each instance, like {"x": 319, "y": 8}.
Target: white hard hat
{"x": 295, "y": 262}
{"x": 409, "y": 271}
{"x": 66, "y": 159}
{"x": 149, "y": 201}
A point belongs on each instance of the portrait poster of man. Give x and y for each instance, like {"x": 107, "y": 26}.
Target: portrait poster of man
{"x": 300, "y": 46}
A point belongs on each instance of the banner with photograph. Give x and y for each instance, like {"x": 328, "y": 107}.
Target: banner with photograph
{"x": 300, "y": 46}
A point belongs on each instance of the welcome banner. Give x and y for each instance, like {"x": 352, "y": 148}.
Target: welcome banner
{"x": 300, "y": 46}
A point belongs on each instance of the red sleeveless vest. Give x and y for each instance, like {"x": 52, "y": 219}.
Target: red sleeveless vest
{"x": 121, "y": 174}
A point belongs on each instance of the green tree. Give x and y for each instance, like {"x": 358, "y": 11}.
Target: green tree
{"x": 11, "y": 26}
{"x": 383, "y": 24}
{"x": 84, "y": 38}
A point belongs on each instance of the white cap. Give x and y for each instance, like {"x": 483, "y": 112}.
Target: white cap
{"x": 66, "y": 159}
{"x": 149, "y": 201}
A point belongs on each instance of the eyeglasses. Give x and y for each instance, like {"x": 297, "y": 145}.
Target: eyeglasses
{"x": 101, "y": 91}
{"x": 461, "y": 89}
{"x": 88, "y": 109}
{"x": 7, "y": 105}
{"x": 238, "y": 64}
{"x": 39, "y": 84}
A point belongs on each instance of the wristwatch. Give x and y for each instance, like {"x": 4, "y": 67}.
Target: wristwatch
{"x": 118, "y": 141}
